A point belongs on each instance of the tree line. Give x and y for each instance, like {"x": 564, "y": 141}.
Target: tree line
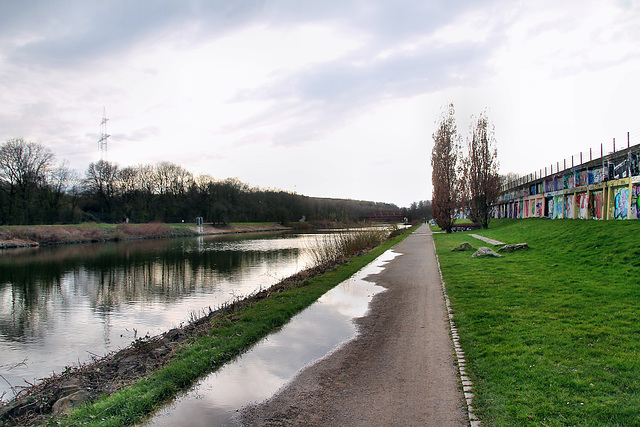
{"x": 468, "y": 184}
{"x": 34, "y": 189}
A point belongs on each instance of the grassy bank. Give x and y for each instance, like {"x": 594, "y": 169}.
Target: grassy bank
{"x": 551, "y": 334}
{"x": 229, "y": 333}
{"x": 35, "y": 235}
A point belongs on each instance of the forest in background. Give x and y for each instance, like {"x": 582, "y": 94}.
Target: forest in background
{"x": 36, "y": 190}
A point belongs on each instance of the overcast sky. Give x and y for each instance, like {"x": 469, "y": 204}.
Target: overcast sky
{"x": 325, "y": 98}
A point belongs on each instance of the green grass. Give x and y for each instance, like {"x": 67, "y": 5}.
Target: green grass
{"x": 232, "y": 335}
{"x": 551, "y": 334}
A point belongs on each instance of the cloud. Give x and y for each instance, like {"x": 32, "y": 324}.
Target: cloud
{"x": 198, "y": 80}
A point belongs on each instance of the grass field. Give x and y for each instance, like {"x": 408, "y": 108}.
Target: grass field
{"x": 551, "y": 334}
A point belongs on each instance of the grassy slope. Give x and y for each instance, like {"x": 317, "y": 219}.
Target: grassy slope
{"x": 233, "y": 335}
{"x": 552, "y": 334}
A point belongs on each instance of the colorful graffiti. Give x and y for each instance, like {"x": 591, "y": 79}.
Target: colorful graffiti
{"x": 583, "y": 178}
{"x": 568, "y": 206}
{"x": 583, "y": 205}
{"x": 596, "y": 204}
{"x": 558, "y": 206}
{"x": 598, "y": 176}
{"x": 558, "y": 183}
{"x": 570, "y": 180}
{"x": 635, "y": 202}
{"x": 539, "y": 208}
{"x": 621, "y": 202}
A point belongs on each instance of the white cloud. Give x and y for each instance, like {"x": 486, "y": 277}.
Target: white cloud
{"x": 312, "y": 98}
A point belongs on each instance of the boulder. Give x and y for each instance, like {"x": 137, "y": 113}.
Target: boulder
{"x": 511, "y": 248}
{"x": 67, "y": 403}
{"x": 463, "y": 247}
{"x": 484, "y": 251}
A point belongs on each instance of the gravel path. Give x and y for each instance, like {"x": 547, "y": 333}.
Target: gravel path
{"x": 399, "y": 371}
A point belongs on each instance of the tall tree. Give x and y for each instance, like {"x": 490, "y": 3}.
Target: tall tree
{"x": 23, "y": 169}
{"x": 444, "y": 160}
{"x": 101, "y": 183}
{"x": 481, "y": 170}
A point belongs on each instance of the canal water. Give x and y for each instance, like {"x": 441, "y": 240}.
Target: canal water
{"x": 61, "y": 305}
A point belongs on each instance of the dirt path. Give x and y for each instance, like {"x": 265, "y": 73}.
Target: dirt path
{"x": 399, "y": 371}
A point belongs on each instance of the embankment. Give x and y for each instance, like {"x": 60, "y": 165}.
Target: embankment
{"x": 43, "y": 235}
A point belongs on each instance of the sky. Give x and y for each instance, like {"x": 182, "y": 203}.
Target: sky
{"x": 329, "y": 99}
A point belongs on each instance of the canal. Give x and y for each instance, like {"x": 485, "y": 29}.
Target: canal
{"x": 61, "y": 305}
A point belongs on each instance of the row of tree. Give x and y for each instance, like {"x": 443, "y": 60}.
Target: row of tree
{"x": 464, "y": 184}
{"x": 34, "y": 189}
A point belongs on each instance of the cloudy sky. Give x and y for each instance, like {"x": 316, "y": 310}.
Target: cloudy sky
{"x": 330, "y": 98}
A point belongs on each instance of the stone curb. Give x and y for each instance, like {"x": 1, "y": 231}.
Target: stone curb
{"x": 467, "y": 384}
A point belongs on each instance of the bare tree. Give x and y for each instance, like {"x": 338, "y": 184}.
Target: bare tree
{"x": 444, "y": 160}
{"x": 101, "y": 183}
{"x": 481, "y": 182}
{"x": 23, "y": 169}
{"x": 60, "y": 180}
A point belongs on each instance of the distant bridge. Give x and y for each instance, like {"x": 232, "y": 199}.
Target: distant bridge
{"x": 384, "y": 216}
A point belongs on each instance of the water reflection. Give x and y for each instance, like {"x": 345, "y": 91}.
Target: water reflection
{"x": 268, "y": 366}
{"x": 58, "y": 304}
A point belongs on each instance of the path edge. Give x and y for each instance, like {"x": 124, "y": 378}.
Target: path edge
{"x": 467, "y": 384}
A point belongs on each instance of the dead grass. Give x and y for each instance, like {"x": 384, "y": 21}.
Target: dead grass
{"x": 23, "y": 236}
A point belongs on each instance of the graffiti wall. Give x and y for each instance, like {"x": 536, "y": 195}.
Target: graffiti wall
{"x": 568, "y": 206}
{"x": 635, "y": 202}
{"x": 596, "y": 205}
{"x": 548, "y": 185}
{"x": 519, "y": 209}
{"x": 582, "y": 202}
{"x": 558, "y": 205}
{"x": 539, "y": 208}
{"x": 621, "y": 202}
{"x": 570, "y": 180}
{"x": 598, "y": 176}
{"x": 558, "y": 183}
{"x": 583, "y": 178}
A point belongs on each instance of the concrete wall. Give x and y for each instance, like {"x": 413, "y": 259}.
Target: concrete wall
{"x": 605, "y": 188}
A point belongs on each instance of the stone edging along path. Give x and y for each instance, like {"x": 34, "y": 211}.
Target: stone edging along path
{"x": 467, "y": 384}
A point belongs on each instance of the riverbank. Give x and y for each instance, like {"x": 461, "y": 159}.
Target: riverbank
{"x": 12, "y": 237}
{"x": 171, "y": 361}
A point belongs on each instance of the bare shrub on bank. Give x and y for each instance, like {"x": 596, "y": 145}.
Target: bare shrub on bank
{"x": 338, "y": 246}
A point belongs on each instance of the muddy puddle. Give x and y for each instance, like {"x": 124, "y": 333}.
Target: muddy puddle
{"x": 273, "y": 362}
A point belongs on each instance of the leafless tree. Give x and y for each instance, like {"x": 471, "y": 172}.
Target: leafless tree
{"x": 444, "y": 160}
{"x": 23, "y": 169}
{"x": 101, "y": 182}
{"x": 481, "y": 179}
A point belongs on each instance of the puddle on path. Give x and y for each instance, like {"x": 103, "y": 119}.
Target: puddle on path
{"x": 269, "y": 365}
